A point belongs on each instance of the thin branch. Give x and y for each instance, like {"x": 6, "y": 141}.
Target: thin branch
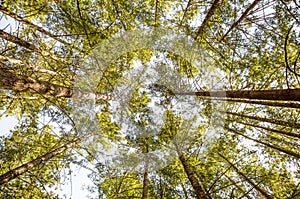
{"x": 235, "y": 24}
{"x": 185, "y": 12}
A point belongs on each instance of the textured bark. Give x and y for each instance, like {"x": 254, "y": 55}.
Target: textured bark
{"x": 244, "y": 15}
{"x": 145, "y": 178}
{"x": 21, "y": 83}
{"x": 10, "y": 175}
{"x": 279, "y": 94}
{"x": 200, "y": 192}
{"x": 18, "y": 41}
{"x": 291, "y": 153}
{"x": 261, "y": 102}
{"x": 297, "y": 135}
{"x": 30, "y": 66}
{"x": 272, "y": 121}
{"x": 210, "y": 13}
{"x": 257, "y": 188}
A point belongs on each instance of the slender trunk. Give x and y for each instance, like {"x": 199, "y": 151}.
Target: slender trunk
{"x": 291, "y": 153}
{"x": 210, "y": 13}
{"x": 260, "y": 102}
{"x": 21, "y": 83}
{"x": 156, "y": 13}
{"x": 18, "y": 97}
{"x": 272, "y": 130}
{"x": 272, "y": 121}
{"x": 244, "y": 15}
{"x": 189, "y": 3}
{"x": 199, "y": 190}
{"x": 34, "y": 68}
{"x": 257, "y": 188}
{"x": 18, "y": 41}
{"x": 161, "y": 190}
{"x": 279, "y": 94}
{"x": 32, "y": 47}
{"x": 12, "y": 174}
{"x": 31, "y": 25}
{"x": 146, "y": 179}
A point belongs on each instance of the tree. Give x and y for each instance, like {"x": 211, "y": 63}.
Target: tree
{"x": 253, "y": 152}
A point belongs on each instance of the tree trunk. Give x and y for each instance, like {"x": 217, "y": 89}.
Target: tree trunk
{"x": 291, "y": 153}
{"x": 199, "y": 190}
{"x": 31, "y": 25}
{"x": 244, "y": 15}
{"x": 279, "y": 94}
{"x": 257, "y": 188}
{"x": 272, "y": 130}
{"x": 21, "y": 83}
{"x": 272, "y": 121}
{"x": 209, "y": 14}
{"x": 260, "y": 102}
{"x": 25, "y": 44}
{"x": 32, "y": 67}
{"x": 145, "y": 178}
{"x": 10, "y": 175}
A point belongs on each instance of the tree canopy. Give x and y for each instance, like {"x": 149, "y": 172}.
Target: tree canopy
{"x": 157, "y": 99}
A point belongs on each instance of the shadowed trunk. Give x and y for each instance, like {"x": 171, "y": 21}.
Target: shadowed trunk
{"x": 22, "y": 83}
{"x": 272, "y": 121}
{"x": 291, "y": 153}
{"x": 261, "y": 102}
{"x": 199, "y": 190}
{"x": 272, "y": 130}
{"x": 279, "y": 94}
{"x": 12, "y": 174}
{"x": 145, "y": 178}
{"x": 257, "y": 188}
{"x": 242, "y": 17}
{"x": 209, "y": 14}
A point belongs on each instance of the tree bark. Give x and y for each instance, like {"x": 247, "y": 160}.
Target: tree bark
{"x": 21, "y": 83}
{"x": 261, "y": 102}
{"x": 291, "y": 153}
{"x": 199, "y": 190}
{"x": 145, "y": 178}
{"x": 209, "y": 14}
{"x": 272, "y": 121}
{"x": 279, "y": 94}
{"x": 257, "y": 188}
{"x": 34, "y": 68}
{"x": 10, "y": 175}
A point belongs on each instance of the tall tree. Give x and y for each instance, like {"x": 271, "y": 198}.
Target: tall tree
{"x": 252, "y": 150}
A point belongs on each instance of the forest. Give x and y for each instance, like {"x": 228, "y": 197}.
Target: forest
{"x": 154, "y": 99}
